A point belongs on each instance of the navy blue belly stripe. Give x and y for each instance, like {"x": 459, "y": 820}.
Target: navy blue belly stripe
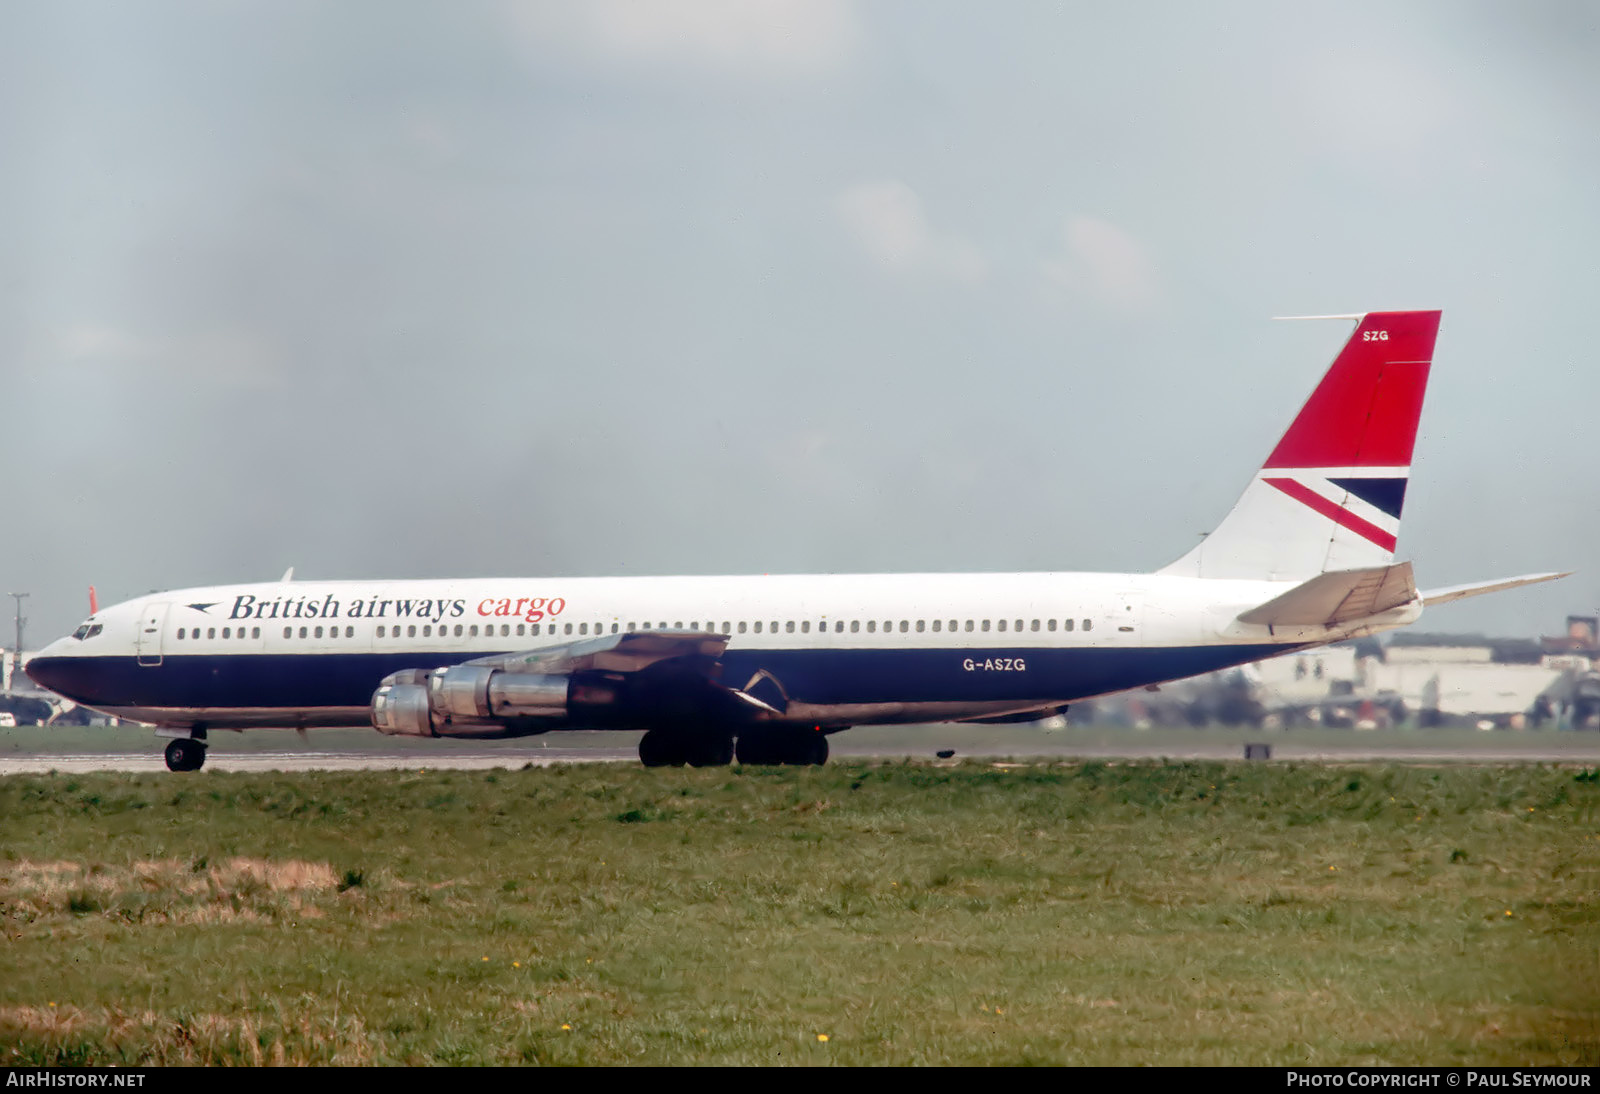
{"x": 308, "y": 681}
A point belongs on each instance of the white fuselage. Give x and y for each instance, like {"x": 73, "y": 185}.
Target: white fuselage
{"x": 842, "y": 649}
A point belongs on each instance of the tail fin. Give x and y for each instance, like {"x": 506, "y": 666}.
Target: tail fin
{"x": 1330, "y": 494}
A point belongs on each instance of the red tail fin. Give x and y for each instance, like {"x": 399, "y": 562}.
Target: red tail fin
{"x": 1364, "y": 412}
{"x": 1329, "y": 497}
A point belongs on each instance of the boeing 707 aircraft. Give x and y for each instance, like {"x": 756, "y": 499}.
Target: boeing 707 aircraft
{"x": 765, "y": 668}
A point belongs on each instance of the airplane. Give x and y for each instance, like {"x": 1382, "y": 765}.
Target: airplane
{"x": 765, "y": 668}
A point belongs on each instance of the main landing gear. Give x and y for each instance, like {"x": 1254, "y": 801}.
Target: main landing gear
{"x": 185, "y": 754}
{"x": 797, "y": 747}
{"x": 661, "y": 748}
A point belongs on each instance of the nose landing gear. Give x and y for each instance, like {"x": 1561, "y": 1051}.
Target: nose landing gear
{"x": 187, "y": 753}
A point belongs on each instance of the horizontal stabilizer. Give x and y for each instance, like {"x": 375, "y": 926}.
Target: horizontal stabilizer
{"x": 1338, "y": 597}
{"x": 1478, "y": 588}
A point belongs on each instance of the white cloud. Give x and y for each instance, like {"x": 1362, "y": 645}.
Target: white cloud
{"x": 227, "y": 357}
{"x": 888, "y": 220}
{"x": 765, "y": 39}
{"x": 1104, "y": 262}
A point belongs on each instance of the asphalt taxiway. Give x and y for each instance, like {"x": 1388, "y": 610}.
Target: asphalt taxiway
{"x": 1551, "y": 748}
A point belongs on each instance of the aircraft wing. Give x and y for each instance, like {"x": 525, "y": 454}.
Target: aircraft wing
{"x": 1478, "y": 588}
{"x": 619, "y": 653}
{"x": 1338, "y": 596}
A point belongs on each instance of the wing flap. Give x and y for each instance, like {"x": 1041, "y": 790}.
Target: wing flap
{"x": 1338, "y": 596}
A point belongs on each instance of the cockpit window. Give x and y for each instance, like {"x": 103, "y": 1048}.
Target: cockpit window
{"x": 88, "y": 630}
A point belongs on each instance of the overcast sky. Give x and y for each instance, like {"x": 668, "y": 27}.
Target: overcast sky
{"x": 496, "y": 288}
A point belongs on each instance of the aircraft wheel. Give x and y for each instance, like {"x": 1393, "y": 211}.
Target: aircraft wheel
{"x": 805, "y": 748}
{"x": 185, "y": 754}
{"x": 816, "y": 749}
{"x": 756, "y": 750}
{"x": 658, "y": 749}
{"x": 711, "y": 750}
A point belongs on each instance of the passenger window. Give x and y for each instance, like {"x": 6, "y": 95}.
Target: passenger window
{"x": 872, "y": 626}
{"x": 1051, "y": 624}
{"x": 180, "y": 632}
{"x": 774, "y": 626}
{"x": 662, "y": 627}
{"x": 936, "y": 624}
{"x": 727, "y": 628}
{"x": 758, "y": 626}
{"x": 533, "y": 628}
{"x": 211, "y": 632}
{"x": 288, "y": 632}
{"x": 318, "y": 633}
{"x": 427, "y": 630}
{"x": 855, "y": 626}
{"x": 569, "y": 628}
{"x": 302, "y": 632}
{"x": 805, "y": 626}
{"x": 411, "y": 630}
{"x": 615, "y": 627}
{"x": 741, "y": 627}
{"x": 985, "y": 624}
{"x": 380, "y": 630}
{"x": 969, "y": 626}
{"x": 1019, "y": 626}
{"x": 1034, "y": 625}
{"x": 458, "y": 630}
{"x": 1001, "y": 626}
{"x": 789, "y": 626}
{"x": 920, "y": 626}
{"x": 905, "y": 626}
{"x": 505, "y": 630}
{"x": 838, "y": 626}
{"x": 227, "y": 632}
{"x": 1088, "y": 624}
{"x": 583, "y": 628}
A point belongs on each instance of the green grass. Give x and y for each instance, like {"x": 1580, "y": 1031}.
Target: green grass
{"x": 911, "y": 914}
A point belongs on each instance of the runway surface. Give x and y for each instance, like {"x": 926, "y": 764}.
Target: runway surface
{"x": 1579, "y": 750}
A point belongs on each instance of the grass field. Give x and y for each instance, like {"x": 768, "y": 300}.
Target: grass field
{"x": 860, "y": 913}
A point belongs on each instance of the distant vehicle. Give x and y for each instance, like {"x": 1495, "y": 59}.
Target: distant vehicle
{"x": 7, "y": 718}
{"x": 764, "y": 668}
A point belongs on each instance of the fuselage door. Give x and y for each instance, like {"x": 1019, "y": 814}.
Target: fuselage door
{"x": 152, "y": 625}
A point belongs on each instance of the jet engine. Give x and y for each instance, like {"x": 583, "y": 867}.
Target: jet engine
{"x": 486, "y": 701}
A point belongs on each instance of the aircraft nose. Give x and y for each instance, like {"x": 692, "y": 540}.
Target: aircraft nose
{"x": 47, "y": 672}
